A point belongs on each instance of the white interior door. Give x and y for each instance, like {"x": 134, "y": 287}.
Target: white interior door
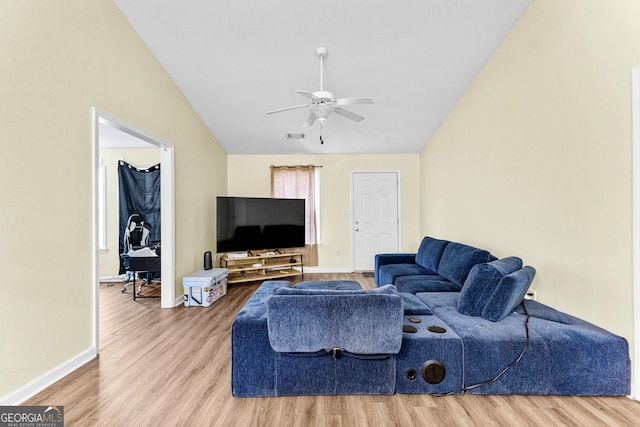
{"x": 375, "y": 217}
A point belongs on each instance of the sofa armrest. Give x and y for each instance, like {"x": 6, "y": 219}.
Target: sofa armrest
{"x": 384, "y": 259}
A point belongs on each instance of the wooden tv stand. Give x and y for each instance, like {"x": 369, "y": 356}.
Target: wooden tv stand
{"x": 263, "y": 265}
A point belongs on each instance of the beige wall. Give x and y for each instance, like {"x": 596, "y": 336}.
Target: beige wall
{"x": 535, "y": 160}
{"x": 109, "y": 260}
{"x": 57, "y": 61}
{"x": 249, "y": 176}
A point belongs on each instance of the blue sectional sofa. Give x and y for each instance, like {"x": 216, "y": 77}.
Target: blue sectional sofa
{"x": 448, "y": 320}
{"x": 288, "y": 341}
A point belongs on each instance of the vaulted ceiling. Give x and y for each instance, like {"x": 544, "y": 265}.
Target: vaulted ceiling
{"x": 236, "y": 60}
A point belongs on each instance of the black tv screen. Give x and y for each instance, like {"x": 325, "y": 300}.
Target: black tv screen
{"x": 252, "y": 223}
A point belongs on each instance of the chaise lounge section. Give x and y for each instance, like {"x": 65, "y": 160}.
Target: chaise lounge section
{"x": 548, "y": 352}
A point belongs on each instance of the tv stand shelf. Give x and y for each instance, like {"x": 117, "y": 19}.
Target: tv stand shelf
{"x": 262, "y": 266}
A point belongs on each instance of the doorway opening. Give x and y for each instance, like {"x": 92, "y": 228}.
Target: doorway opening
{"x": 105, "y": 125}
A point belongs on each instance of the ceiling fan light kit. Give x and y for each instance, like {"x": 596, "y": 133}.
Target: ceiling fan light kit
{"x": 322, "y": 103}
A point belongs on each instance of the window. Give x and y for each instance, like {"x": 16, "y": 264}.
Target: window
{"x": 301, "y": 182}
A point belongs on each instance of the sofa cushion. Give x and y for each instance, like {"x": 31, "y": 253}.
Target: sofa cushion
{"x": 389, "y": 273}
{"x": 481, "y": 282}
{"x": 314, "y": 320}
{"x": 396, "y": 258}
{"x": 458, "y": 259}
{"x": 384, "y": 290}
{"x": 329, "y": 284}
{"x": 425, "y": 283}
{"x": 430, "y": 252}
{"x": 508, "y": 294}
{"x": 413, "y": 306}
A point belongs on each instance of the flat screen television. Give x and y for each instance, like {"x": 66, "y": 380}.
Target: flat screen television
{"x": 253, "y": 223}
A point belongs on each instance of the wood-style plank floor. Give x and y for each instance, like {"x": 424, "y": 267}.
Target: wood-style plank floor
{"x": 172, "y": 367}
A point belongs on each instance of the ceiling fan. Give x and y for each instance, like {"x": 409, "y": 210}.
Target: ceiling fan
{"x": 322, "y": 103}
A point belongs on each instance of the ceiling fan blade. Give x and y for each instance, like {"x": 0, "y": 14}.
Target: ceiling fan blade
{"x": 348, "y": 114}
{"x": 308, "y": 94}
{"x": 352, "y": 101}
{"x": 310, "y": 120}
{"x": 287, "y": 109}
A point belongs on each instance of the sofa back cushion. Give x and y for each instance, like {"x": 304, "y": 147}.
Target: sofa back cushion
{"x": 508, "y": 294}
{"x": 481, "y": 282}
{"x": 354, "y": 321}
{"x": 458, "y": 259}
{"x": 430, "y": 252}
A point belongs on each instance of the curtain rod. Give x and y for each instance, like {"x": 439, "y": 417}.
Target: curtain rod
{"x": 293, "y": 167}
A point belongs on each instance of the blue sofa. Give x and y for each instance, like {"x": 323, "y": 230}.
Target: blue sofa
{"x": 323, "y": 338}
{"x": 438, "y": 266}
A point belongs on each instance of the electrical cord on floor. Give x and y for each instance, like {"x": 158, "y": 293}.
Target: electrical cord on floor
{"x": 509, "y": 366}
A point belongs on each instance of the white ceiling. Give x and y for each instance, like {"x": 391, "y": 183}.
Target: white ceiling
{"x": 236, "y": 59}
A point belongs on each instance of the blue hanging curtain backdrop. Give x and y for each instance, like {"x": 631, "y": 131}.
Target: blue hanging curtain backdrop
{"x": 139, "y": 193}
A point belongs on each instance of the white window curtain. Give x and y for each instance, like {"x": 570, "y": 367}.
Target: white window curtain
{"x": 298, "y": 182}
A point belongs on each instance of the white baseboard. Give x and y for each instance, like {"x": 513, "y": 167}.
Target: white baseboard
{"x": 179, "y": 301}
{"x": 117, "y": 279}
{"x": 327, "y": 270}
{"x": 35, "y": 386}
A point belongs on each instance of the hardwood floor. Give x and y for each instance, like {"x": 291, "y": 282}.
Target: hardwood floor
{"x": 172, "y": 367}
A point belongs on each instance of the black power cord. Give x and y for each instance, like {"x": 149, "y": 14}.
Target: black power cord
{"x": 509, "y": 366}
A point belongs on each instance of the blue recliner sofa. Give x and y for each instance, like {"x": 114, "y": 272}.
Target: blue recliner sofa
{"x": 441, "y": 330}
